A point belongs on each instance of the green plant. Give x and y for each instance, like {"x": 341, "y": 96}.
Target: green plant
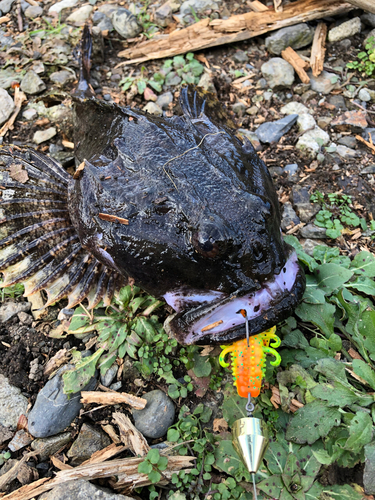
{"x": 49, "y": 30}
{"x": 153, "y": 465}
{"x": 4, "y": 456}
{"x": 12, "y": 292}
{"x": 144, "y": 19}
{"x": 366, "y": 63}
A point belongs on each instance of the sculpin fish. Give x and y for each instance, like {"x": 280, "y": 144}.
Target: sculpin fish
{"x": 181, "y": 205}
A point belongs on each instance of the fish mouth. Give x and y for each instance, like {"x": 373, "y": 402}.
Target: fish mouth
{"x": 212, "y": 317}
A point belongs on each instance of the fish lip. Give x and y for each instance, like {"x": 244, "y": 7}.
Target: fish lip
{"x": 186, "y": 326}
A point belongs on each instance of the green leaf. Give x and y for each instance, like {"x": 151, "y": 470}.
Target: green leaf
{"x": 163, "y": 463}
{"x": 154, "y": 476}
{"x": 325, "y": 254}
{"x": 365, "y": 371}
{"x": 344, "y": 492}
{"x": 173, "y": 435}
{"x": 76, "y": 379}
{"x": 153, "y": 456}
{"x": 312, "y": 422}
{"x": 321, "y": 315}
{"x": 141, "y": 85}
{"x": 79, "y": 319}
{"x": 322, "y": 457}
{"x": 360, "y": 431}
{"x": 302, "y": 256}
{"x": 145, "y": 467}
{"x": 364, "y": 263}
{"x": 272, "y": 486}
{"x": 173, "y": 391}
{"x": 363, "y": 284}
{"x": 227, "y": 460}
{"x": 106, "y": 361}
{"x": 331, "y": 276}
{"x": 145, "y": 329}
{"x": 202, "y": 366}
{"x": 369, "y": 473}
{"x": 125, "y": 294}
{"x": 136, "y": 303}
{"x": 233, "y": 405}
{"x": 335, "y": 394}
{"x": 313, "y": 294}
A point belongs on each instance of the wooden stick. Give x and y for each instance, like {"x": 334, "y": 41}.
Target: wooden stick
{"x": 257, "y": 6}
{"x": 364, "y": 4}
{"x": 113, "y": 398}
{"x": 318, "y": 49}
{"x": 103, "y": 455}
{"x": 298, "y": 64}
{"x": 130, "y": 436}
{"x": 208, "y": 33}
{"x": 19, "y": 98}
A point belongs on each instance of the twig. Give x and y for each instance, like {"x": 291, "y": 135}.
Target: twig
{"x": 19, "y": 16}
{"x": 19, "y": 98}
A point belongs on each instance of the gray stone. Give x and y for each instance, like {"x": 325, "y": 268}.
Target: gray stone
{"x": 50, "y": 445}
{"x": 349, "y": 28}
{"x": 109, "y": 375}
{"x": 301, "y": 88}
{"x": 368, "y": 170}
{"x": 25, "y": 319}
{"x": 32, "y": 83}
{"x": 206, "y": 82}
{"x": 338, "y": 101}
{"x": 53, "y": 410}
{"x": 98, "y": 16}
{"x": 20, "y": 440}
{"x": 291, "y": 170}
{"x": 269, "y": 132}
{"x": 164, "y": 100}
{"x": 309, "y": 245}
{"x": 364, "y": 95}
{"x": 62, "y": 77}
{"x": 59, "y": 6}
{"x": 38, "y": 67}
{"x": 33, "y": 11}
{"x": 240, "y": 57}
{"x": 172, "y": 79}
{"x": 307, "y": 96}
{"x": 369, "y": 132}
{"x": 175, "y": 5}
{"x": 153, "y": 421}
{"x": 278, "y": 73}
{"x": 80, "y": 16}
{"x": 105, "y": 24}
{"x": 347, "y": 153}
{"x": 300, "y": 195}
{"x": 297, "y": 36}
{"x": 312, "y": 231}
{"x": 125, "y": 23}
{"x": 199, "y": 6}
{"x": 44, "y": 135}
{"x": 12, "y": 403}
{"x": 163, "y": 15}
{"x": 312, "y": 141}
{"x": 239, "y": 108}
{"x": 294, "y": 107}
{"x": 6, "y": 106}
{"x": 5, "y": 42}
{"x": 153, "y": 109}
{"x": 305, "y": 122}
{"x": 369, "y": 19}
{"x": 10, "y": 309}
{"x": 108, "y": 8}
{"x": 348, "y": 141}
{"x": 251, "y": 136}
{"x": 324, "y": 121}
{"x": 289, "y": 217}
{"x": 89, "y": 441}
{"x": 6, "y": 5}
{"x": 79, "y": 489}
{"x": 324, "y": 83}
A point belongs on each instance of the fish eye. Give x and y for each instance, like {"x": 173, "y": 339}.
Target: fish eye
{"x": 206, "y": 246}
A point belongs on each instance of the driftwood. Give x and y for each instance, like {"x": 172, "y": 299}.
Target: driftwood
{"x": 208, "y": 33}
{"x": 113, "y": 398}
{"x": 257, "y": 6}
{"x": 368, "y": 5}
{"x": 19, "y": 98}
{"x": 318, "y": 49}
{"x": 298, "y": 64}
{"x": 130, "y": 436}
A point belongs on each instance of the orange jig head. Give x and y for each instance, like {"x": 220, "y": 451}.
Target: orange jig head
{"x": 249, "y": 361}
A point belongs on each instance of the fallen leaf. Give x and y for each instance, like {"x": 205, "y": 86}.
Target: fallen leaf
{"x": 18, "y": 173}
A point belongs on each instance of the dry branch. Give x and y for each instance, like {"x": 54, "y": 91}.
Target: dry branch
{"x": 105, "y": 454}
{"x": 12, "y": 473}
{"x": 208, "y": 33}
{"x": 298, "y": 64}
{"x": 368, "y": 5}
{"x": 130, "y": 436}
{"x": 257, "y": 6}
{"x": 318, "y": 49}
{"x": 19, "y": 98}
{"x": 113, "y": 398}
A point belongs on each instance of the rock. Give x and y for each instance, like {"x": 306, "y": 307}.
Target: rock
{"x": 324, "y": 83}
{"x": 44, "y": 135}
{"x": 311, "y": 142}
{"x": 125, "y": 23}
{"x": 291, "y": 170}
{"x": 53, "y": 410}
{"x": 6, "y": 5}
{"x": 289, "y": 217}
{"x": 80, "y": 16}
{"x": 25, "y": 319}
{"x": 33, "y": 11}
{"x": 297, "y": 36}
{"x": 5, "y": 434}
{"x": 309, "y": 245}
{"x": 312, "y": 231}
{"x": 240, "y": 57}
{"x": 278, "y": 73}
{"x": 62, "y": 77}
{"x": 349, "y": 28}
{"x": 367, "y": 132}
{"x": 252, "y": 137}
{"x": 347, "y": 153}
{"x": 110, "y": 374}
{"x": 301, "y": 88}
{"x": 20, "y": 440}
{"x": 369, "y": 19}
{"x": 338, "y": 101}
{"x": 175, "y": 5}
{"x": 368, "y": 170}
{"x": 307, "y": 96}
{"x": 164, "y": 100}
{"x": 10, "y": 309}
{"x": 153, "y": 109}
{"x": 324, "y": 121}
{"x": 105, "y": 24}
{"x": 350, "y": 121}
{"x": 163, "y": 15}
{"x": 98, "y": 16}
{"x": 269, "y": 132}
{"x": 89, "y": 441}
{"x": 6, "y": 106}
{"x": 348, "y": 141}
{"x": 50, "y": 445}
{"x": 79, "y": 489}
{"x": 12, "y": 403}
{"x": 199, "y": 6}
{"x": 59, "y": 6}
{"x": 206, "y": 82}
{"x": 32, "y": 83}
{"x": 38, "y": 67}
{"x": 172, "y": 79}
{"x": 153, "y": 421}
{"x": 368, "y": 474}
{"x": 5, "y": 42}
{"x": 294, "y": 107}
{"x": 239, "y": 108}
{"x": 364, "y": 95}
{"x": 305, "y": 122}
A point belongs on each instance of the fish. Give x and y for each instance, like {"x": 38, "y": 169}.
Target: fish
{"x": 181, "y": 205}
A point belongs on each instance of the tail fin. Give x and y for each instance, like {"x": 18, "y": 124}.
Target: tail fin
{"x": 84, "y": 88}
{"x": 39, "y": 246}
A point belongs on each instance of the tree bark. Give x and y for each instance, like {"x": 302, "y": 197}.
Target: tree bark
{"x": 368, "y": 5}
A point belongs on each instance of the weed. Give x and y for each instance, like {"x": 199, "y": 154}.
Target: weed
{"x": 49, "y": 30}
{"x": 153, "y": 465}
{"x": 12, "y": 292}
{"x": 144, "y": 20}
{"x": 366, "y": 63}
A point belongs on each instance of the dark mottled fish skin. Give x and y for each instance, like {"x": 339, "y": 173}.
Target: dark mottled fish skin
{"x": 203, "y": 218}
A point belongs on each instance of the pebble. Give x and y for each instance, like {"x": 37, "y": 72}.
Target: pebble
{"x": 158, "y": 415}
{"x": 350, "y": 121}
{"x": 6, "y": 106}
{"x": 53, "y": 410}
{"x": 10, "y": 309}
{"x": 240, "y": 57}
{"x": 347, "y": 153}
{"x": 349, "y": 28}
{"x": 59, "y": 6}
{"x": 308, "y": 246}
{"x": 199, "y": 6}
{"x": 294, "y": 107}
{"x": 338, "y": 101}
{"x": 364, "y": 95}
{"x": 80, "y": 16}
{"x": 105, "y": 24}
{"x": 89, "y": 441}
{"x": 153, "y": 109}
{"x": 6, "y": 5}
{"x": 305, "y": 122}
{"x": 312, "y": 231}
{"x": 79, "y": 489}
{"x": 163, "y": 15}
{"x": 38, "y": 67}
{"x": 109, "y": 375}
{"x": 25, "y": 319}
{"x": 278, "y": 73}
{"x": 369, "y": 170}
{"x": 20, "y": 440}
{"x": 206, "y": 82}
{"x": 369, "y": 19}
{"x": 5, "y": 434}
{"x": 311, "y": 141}
{"x": 5, "y": 42}
{"x": 297, "y": 36}
{"x": 50, "y": 445}
{"x": 62, "y": 77}
{"x": 239, "y": 108}
{"x": 125, "y": 23}
{"x": 324, "y": 83}
{"x": 301, "y": 88}
{"x": 367, "y": 132}
{"x": 33, "y": 11}
{"x": 12, "y": 403}
{"x": 44, "y": 135}
{"x": 324, "y": 121}
{"x": 348, "y": 141}
{"x": 252, "y": 137}
{"x": 301, "y": 200}
{"x": 32, "y": 83}
{"x": 291, "y": 170}
{"x": 269, "y": 132}
{"x": 289, "y": 216}
{"x": 307, "y": 96}
{"x": 164, "y": 100}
